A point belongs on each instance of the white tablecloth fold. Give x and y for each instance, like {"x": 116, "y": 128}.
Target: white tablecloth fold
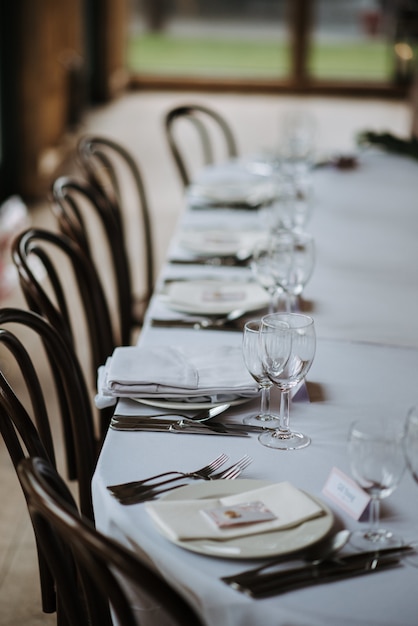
{"x": 215, "y": 374}
{"x": 184, "y": 520}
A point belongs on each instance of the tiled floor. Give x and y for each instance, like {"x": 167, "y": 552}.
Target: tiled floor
{"x": 136, "y": 120}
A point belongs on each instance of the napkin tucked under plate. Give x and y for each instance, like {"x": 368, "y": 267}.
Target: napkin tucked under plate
{"x": 183, "y": 520}
{"x": 214, "y": 374}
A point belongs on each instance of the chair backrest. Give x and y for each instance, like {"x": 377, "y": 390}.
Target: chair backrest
{"x": 25, "y": 413}
{"x": 112, "y": 169}
{"x": 88, "y": 217}
{"x": 103, "y": 564}
{"x": 24, "y": 408}
{"x": 45, "y": 262}
{"x": 206, "y": 123}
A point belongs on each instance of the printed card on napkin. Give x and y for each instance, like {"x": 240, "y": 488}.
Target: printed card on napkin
{"x": 185, "y": 520}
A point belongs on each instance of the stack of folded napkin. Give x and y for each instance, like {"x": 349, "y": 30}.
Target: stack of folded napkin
{"x": 185, "y": 520}
{"x": 211, "y": 375}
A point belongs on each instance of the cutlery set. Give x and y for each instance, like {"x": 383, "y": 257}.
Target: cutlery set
{"x": 188, "y": 424}
{"x": 233, "y": 260}
{"x": 149, "y": 488}
{"x": 138, "y": 424}
{"x": 258, "y": 585}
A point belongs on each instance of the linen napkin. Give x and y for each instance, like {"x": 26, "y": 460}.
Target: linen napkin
{"x": 184, "y": 520}
{"x": 212, "y": 374}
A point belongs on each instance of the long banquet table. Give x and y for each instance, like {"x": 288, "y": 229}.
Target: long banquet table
{"x": 363, "y": 296}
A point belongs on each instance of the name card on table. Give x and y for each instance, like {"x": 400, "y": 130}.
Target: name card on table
{"x": 345, "y": 492}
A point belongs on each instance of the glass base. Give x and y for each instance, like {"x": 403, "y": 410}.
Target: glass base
{"x": 371, "y": 539}
{"x": 265, "y": 421}
{"x": 287, "y": 440}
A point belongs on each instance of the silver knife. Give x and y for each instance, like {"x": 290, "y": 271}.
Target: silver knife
{"x": 175, "y": 427}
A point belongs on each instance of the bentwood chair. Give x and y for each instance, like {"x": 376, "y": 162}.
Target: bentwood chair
{"x": 25, "y": 414}
{"x": 87, "y": 216}
{"x": 48, "y": 263}
{"x": 71, "y": 545}
{"x": 112, "y": 169}
{"x": 208, "y": 127}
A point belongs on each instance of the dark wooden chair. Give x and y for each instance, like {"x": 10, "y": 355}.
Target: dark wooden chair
{"x": 44, "y": 284}
{"x": 25, "y": 417}
{"x": 112, "y": 169}
{"x": 209, "y": 126}
{"x": 88, "y": 217}
{"x": 71, "y": 545}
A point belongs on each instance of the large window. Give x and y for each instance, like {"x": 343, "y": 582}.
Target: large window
{"x": 217, "y": 39}
{"x": 300, "y": 44}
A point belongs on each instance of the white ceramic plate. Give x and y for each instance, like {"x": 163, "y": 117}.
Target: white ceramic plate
{"x": 215, "y": 297}
{"x": 219, "y": 242}
{"x": 253, "y": 546}
{"x": 189, "y": 406}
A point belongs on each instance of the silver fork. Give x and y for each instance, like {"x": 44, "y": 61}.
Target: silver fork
{"x": 234, "y": 470}
{"x": 139, "y": 486}
{"x": 230, "y": 473}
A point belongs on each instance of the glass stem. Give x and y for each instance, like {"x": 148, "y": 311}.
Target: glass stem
{"x": 374, "y": 515}
{"x": 288, "y": 302}
{"x": 265, "y": 402}
{"x": 284, "y": 411}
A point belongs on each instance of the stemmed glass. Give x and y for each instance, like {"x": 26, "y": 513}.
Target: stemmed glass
{"x": 411, "y": 455}
{"x": 377, "y": 463}
{"x": 283, "y": 264}
{"x": 252, "y": 358}
{"x": 301, "y": 266}
{"x": 297, "y": 143}
{"x": 292, "y": 334}
{"x": 270, "y": 264}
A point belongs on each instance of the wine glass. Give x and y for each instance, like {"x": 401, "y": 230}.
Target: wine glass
{"x": 252, "y": 358}
{"x": 300, "y": 267}
{"x": 411, "y": 455}
{"x": 292, "y": 334}
{"x": 297, "y": 143}
{"x": 270, "y": 264}
{"x": 377, "y": 463}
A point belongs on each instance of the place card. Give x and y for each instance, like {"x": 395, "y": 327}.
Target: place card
{"x": 239, "y": 514}
{"x": 346, "y": 493}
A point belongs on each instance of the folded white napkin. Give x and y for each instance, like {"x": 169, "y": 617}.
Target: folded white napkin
{"x": 183, "y": 520}
{"x": 213, "y": 374}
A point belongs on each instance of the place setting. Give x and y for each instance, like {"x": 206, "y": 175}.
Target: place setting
{"x": 207, "y": 303}
{"x": 229, "y": 186}
{"x": 215, "y": 246}
{"x": 177, "y": 390}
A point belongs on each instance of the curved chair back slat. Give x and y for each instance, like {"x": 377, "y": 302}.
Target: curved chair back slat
{"x": 25, "y": 418}
{"x": 48, "y": 249}
{"x": 111, "y": 168}
{"x": 75, "y": 202}
{"x": 202, "y": 119}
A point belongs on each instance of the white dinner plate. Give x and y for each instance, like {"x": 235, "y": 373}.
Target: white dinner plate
{"x": 219, "y": 242}
{"x": 215, "y": 297}
{"x": 262, "y": 545}
{"x": 189, "y": 406}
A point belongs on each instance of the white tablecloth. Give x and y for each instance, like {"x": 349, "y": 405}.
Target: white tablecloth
{"x": 364, "y": 298}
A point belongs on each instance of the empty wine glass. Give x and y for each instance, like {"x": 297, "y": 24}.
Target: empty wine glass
{"x": 411, "y": 455}
{"x": 300, "y": 267}
{"x": 270, "y": 263}
{"x": 282, "y": 334}
{"x": 251, "y": 350}
{"x": 377, "y": 463}
{"x": 297, "y": 143}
